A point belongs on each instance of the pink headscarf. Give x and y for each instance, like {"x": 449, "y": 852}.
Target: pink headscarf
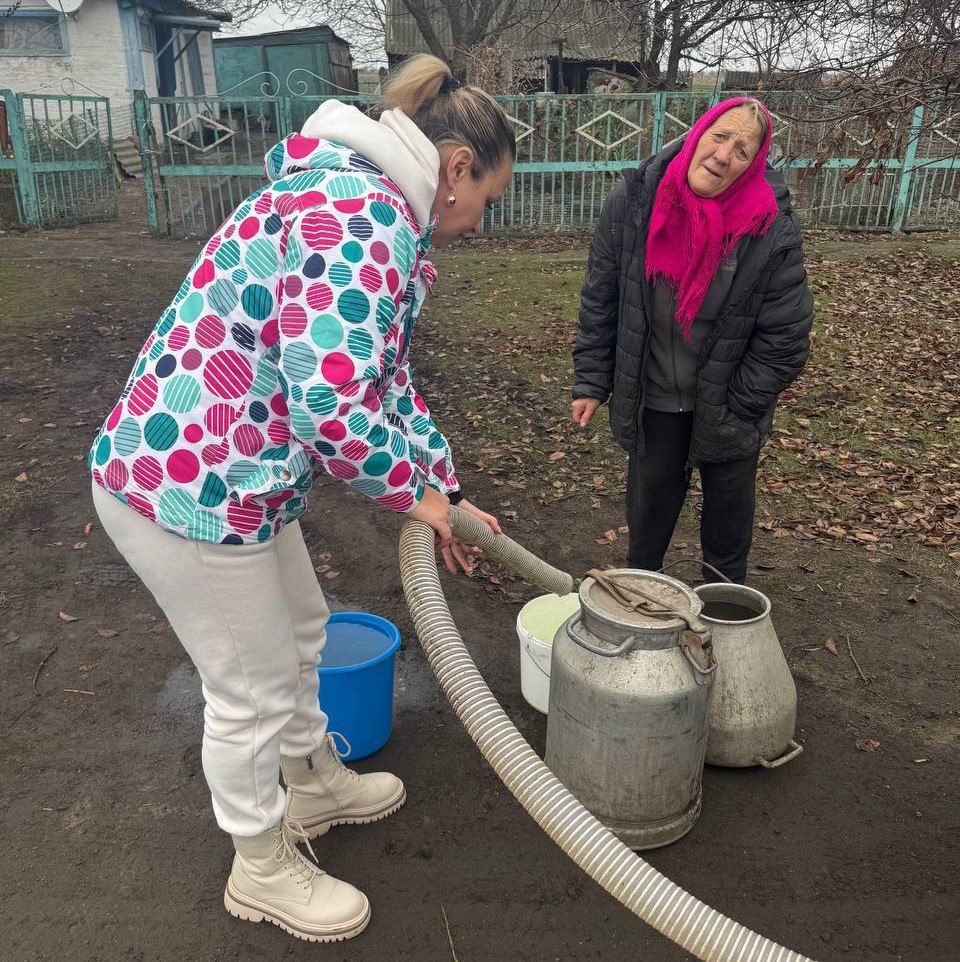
{"x": 690, "y": 235}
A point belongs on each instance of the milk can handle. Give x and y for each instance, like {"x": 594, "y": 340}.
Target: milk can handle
{"x": 606, "y": 652}
{"x": 706, "y": 647}
{"x": 795, "y": 750}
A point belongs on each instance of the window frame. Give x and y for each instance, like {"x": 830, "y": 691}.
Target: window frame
{"x": 51, "y": 15}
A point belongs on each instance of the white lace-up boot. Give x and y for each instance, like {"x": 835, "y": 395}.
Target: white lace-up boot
{"x": 322, "y": 791}
{"x": 272, "y": 881}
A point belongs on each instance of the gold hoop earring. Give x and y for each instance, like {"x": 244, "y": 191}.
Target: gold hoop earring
{"x": 451, "y": 200}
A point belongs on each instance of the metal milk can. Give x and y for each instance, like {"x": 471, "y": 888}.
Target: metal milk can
{"x": 753, "y": 709}
{"x": 630, "y": 677}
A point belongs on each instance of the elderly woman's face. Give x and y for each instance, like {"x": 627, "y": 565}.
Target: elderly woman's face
{"x": 725, "y": 150}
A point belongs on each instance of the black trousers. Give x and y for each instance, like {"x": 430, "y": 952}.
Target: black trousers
{"x": 657, "y": 484}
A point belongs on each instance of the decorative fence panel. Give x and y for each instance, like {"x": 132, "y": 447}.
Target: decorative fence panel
{"x": 56, "y": 160}
{"x": 203, "y": 155}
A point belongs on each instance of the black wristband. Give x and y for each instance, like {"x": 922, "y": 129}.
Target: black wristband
{"x": 455, "y": 497}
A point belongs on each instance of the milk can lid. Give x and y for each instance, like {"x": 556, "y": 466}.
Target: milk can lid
{"x": 640, "y": 599}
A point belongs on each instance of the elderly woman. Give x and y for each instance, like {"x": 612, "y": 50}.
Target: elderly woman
{"x": 694, "y": 316}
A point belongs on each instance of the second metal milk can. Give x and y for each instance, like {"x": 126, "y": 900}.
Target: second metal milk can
{"x": 753, "y": 709}
{"x": 630, "y": 677}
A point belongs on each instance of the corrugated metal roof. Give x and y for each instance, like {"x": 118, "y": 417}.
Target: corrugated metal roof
{"x": 599, "y": 34}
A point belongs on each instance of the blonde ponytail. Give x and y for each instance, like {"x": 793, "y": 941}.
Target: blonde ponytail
{"x": 450, "y": 113}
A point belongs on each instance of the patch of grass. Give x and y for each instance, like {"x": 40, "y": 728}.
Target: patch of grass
{"x": 12, "y": 496}
{"x": 864, "y": 443}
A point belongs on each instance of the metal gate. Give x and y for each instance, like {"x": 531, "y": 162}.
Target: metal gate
{"x": 203, "y": 155}
{"x": 56, "y": 160}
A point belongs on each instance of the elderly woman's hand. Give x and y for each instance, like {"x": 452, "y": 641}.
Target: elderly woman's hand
{"x": 583, "y": 409}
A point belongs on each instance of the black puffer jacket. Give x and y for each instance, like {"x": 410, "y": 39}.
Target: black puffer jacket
{"x": 758, "y": 344}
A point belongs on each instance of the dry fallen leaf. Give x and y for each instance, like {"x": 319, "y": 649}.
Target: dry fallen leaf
{"x": 831, "y": 646}
{"x": 88, "y": 527}
{"x": 330, "y": 575}
{"x": 80, "y": 545}
{"x": 21, "y": 477}
{"x": 610, "y": 534}
{"x": 65, "y": 617}
{"x": 107, "y": 632}
{"x": 868, "y": 745}
{"x": 556, "y": 456}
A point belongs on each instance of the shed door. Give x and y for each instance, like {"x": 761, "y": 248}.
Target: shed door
{"x": 285, "y": 59}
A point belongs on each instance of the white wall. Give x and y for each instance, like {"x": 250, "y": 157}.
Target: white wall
{"x": 95, "y": 58}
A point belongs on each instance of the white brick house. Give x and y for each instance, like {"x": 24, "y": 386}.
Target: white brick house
{"x": 110, "y": 48}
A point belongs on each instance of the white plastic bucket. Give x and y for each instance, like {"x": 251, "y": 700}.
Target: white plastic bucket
{"x": 537, "y": 623}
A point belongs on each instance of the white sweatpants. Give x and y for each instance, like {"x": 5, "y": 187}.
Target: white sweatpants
{"x": 252, "y": 618}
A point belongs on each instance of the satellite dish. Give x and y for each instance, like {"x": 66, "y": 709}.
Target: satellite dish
{"x": 65, "y": 6}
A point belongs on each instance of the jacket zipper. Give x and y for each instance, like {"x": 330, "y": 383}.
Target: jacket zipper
{"x": 673, "y": 358}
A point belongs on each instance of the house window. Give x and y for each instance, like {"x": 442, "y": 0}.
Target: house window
{"x": 30, "y": 34}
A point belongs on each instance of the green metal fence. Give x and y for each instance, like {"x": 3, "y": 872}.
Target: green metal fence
{"x": 203, "y": 155}
{"x": 56, "y": 160}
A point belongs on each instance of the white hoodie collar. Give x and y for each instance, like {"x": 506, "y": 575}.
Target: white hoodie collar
{"x": 395, "y": 144}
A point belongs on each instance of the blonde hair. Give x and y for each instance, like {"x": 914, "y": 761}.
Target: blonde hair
{"x": 449, "y": 112}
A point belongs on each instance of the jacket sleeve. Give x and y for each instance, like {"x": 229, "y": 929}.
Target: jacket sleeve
{"x": 333, "y": 330}
{"x": 430, "y": 449}
{"x": 780, "y": 342}
{"x": 594, "y": 352}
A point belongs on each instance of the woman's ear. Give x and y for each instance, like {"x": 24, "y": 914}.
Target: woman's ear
{"x": 459, "y": 164}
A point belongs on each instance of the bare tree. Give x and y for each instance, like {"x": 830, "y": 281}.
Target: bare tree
{"x": 6, "y": 12}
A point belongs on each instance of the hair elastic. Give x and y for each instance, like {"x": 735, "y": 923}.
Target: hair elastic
{"x": 449, "y": 84}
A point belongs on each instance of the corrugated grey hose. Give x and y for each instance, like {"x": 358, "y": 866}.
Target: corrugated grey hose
{"x": 696, "y": 927}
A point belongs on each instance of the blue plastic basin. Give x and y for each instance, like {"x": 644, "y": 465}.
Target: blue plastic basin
{"x": 356, "y": 679}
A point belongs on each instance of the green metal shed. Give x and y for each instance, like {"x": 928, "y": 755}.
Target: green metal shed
{"x": 313, "y": 61}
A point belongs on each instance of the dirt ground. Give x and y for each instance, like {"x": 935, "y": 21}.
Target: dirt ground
{"x": 110, "y": 851}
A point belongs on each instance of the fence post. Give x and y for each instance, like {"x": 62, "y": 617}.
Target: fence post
{"x": 141, "y": 112}
{"x": 26, "y": 179}
{"x": 285, "y": 118}
{"x": 906, "y": 173}
{"x": 659, "y": 110}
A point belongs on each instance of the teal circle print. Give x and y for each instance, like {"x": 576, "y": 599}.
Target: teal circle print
{"x": 127, "y": 436}
{"x": 181, "y": 394}
{"x": 257, "y": 302}
{"x": 301, "y": 422}
{"x": 352, "y": 252}
{"x": 340, "y": 274}
{"x": 299, "y": 361}
{"x": 223, "y": 296}
{"x": 379, "y": 463}
{"x": 191, "y": 308}
{"x": 176, "y": 507}
{"x": 161, "y": 432}
{"x": 360, "y": 344}
{"x": 261, "y": 258}
{"x": 345, "y": 187}
{"x": 382, "y": 213}
{"x": 104, "y": 448}
{"x": 358, "y": 424}
{"x": 321, "y": 399}
{"x": 204, "y": 526}
{"x": 386, "y": 311}
{"x": 326, "y": 331}
{"x": 213, "y": 491}
{"x": 353, "y": 306}
{"x": 227, "y": 256}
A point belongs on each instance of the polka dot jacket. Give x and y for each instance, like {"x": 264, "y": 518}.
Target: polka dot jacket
{"x": 284, "y": 354}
